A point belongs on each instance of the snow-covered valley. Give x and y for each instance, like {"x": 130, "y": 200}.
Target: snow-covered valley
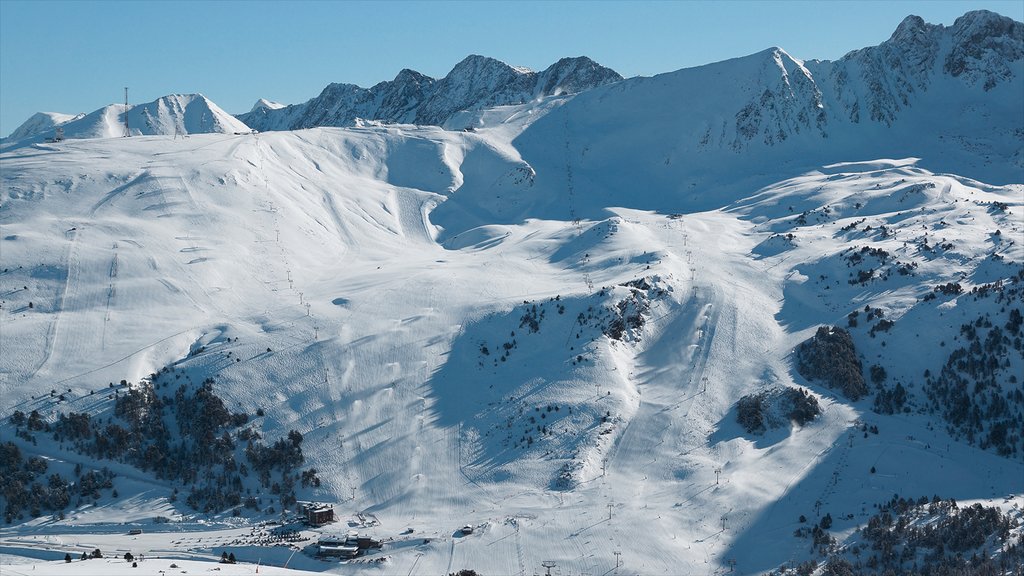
{"x": 541, "y": 328}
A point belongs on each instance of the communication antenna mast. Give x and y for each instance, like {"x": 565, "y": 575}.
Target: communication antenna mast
{"x": 127, "y": 132}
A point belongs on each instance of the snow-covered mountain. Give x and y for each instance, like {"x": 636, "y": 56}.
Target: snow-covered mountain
{"x": 412, "y": 98}
{"x": 710, "y": 321}
{"x": 173, "y": 114}
{"x": 926, "y": 83}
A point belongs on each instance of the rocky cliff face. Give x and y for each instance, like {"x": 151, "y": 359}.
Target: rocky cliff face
{"x": 981, "y": 50}
{"x": 787, "y": 102}
{"x": 476, "y": 82}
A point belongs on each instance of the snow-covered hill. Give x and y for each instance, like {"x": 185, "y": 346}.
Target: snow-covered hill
{"x": 475, "y": 83}
{"x": 180, "y": 114}
{"x": 42, "y": 122}
{"x": 542, "y": 328}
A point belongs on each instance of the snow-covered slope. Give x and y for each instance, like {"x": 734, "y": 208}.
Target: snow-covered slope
{"x": 475, "y": 83}
{"x": 180, "y": 114}
{"x": 541, "y": 328}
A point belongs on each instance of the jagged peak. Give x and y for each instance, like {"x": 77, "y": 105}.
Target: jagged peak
{"x": 336, "y": 88}
{"x": 576, "y": 63}
{"x": 910, "y": 26}
{"x": 575, "y": 60}
{"x": 475, "y": 63}
{"x": 406, "y": 75}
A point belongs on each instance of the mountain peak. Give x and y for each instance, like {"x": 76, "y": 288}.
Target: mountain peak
{"x": 406, "y": 75}
{"x": 264, "y": 104}
{"x": 986, "y": 48}
{"x": 572, "y": 75}
{"x": 475, "y": 64}
{"x": 908, "y": 28}
{"x": 985, "y": 19}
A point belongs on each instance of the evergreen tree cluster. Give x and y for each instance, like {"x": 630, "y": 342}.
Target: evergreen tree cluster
{"x": 933, "y": 537}
{"x": 922, "y": 537}
{"x": 978, "y": 391}
{"x": 830, "y": 357}
{"x": 891, "y": 400}
{"x": 776, "y": 407}
{"x": 188, "y": 437}
{"x": 26, "y": 488}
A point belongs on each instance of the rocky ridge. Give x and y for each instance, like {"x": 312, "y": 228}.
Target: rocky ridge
{"x": 414, "y": 98}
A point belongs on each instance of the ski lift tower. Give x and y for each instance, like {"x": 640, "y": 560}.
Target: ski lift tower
{"x": 127, "y": 131}
{"x": 549, "y": 564}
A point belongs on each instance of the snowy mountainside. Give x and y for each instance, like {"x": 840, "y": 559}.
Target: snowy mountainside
{"x": 475, "y": 83}
{"x": 41, "y": 122}
{"x": 181, "y": 114}
{"x": 774, "y": 114}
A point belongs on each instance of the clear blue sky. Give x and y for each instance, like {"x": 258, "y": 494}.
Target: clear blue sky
{"x": 77, "y": 56}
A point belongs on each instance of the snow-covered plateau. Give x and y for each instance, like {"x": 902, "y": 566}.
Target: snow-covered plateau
{"x": 761, "y": 315}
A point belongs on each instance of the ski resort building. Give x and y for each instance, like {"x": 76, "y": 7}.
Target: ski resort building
{"x": 350, "y": 546}
{"x": 318, "y": 514}
{"x": 332, "y": 546}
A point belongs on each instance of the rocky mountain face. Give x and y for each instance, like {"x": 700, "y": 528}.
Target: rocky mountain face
{"x": 980, "y": 50}
{"x": 921, "y": 64}
{"x": 475, "y": 83}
